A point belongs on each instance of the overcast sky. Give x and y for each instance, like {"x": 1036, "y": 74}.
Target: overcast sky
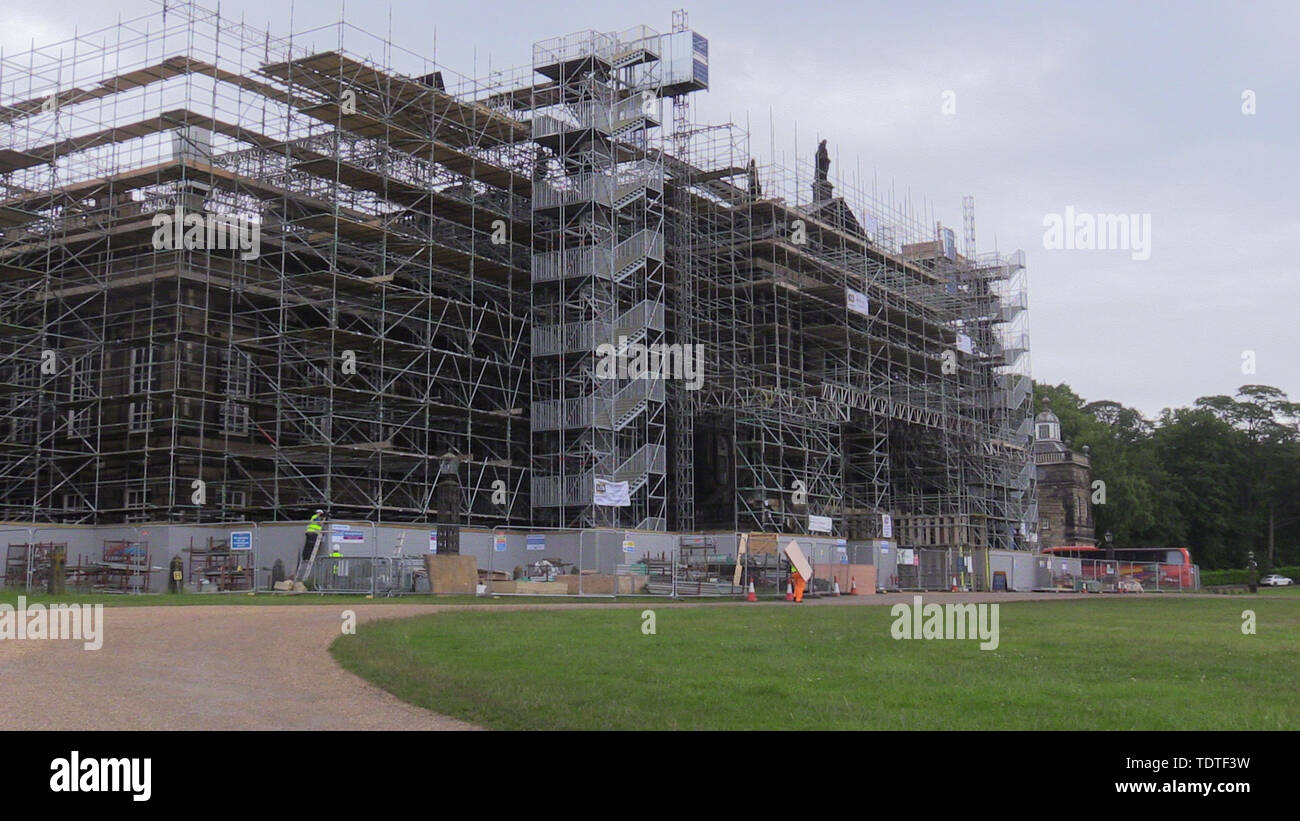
{"x": 1106, "y": 108}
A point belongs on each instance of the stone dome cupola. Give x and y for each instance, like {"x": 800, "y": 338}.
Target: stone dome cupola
{"x": 1047, "y": 427}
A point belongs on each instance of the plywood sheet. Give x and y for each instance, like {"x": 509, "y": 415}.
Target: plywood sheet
{"x": 762, "y": 543}
{"x": 795, "y": 554}
{"x": 452, "y": 574}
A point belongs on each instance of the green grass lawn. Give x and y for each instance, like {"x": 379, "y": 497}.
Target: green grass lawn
{"x": 1166, "y": 663}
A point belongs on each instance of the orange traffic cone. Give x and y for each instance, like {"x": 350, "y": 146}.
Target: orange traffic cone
{"x": 835, "y": 591}
{"x": 750, "y": 596}
{"x": 789, "y": 591}
{"x": 954, "y": 584}
{"x": 853, "y": 585}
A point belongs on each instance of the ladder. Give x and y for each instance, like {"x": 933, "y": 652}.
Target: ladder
{"x": 300, "y": 578}
{"x": 396, "y": 567}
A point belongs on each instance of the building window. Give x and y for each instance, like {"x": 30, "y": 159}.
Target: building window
{"x": 79, "y": 378}
{"x": 237, "y": 499}
{"x": 71, "y": 501}
{"x": 234, "y": 419}
{"x": 136, "y": 500}
{"x": 238, "y": 377}
{"x": 1047, "y": 525}
{"x": 138, "y": 415}
{"x": 141, "y": 370}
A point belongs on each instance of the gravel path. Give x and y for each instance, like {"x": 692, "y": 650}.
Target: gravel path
{"x": 252, "y": 667}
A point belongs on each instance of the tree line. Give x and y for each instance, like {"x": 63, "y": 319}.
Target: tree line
{"x": 1216, "y": 477}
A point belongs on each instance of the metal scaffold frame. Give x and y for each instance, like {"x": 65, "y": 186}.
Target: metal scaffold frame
{"x": 378, "y": 335}
{"x": 598, "y": 280}
{"x": 861, "y": 365}
{"x": 441, "y": 264}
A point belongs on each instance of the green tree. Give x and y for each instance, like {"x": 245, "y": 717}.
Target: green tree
{"x": 1211, "y": 477}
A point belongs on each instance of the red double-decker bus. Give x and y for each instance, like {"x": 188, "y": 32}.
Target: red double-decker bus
{"x": 1150, "y": 566}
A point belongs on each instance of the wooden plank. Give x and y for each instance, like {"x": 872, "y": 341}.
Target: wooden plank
{"x": 795, "y": 554}
{"x": 326, "y": 71}
{"x": 171, "y": 67}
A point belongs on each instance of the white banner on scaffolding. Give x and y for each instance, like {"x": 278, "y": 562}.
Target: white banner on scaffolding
{"x": 857, "y": 302}
{"x": 611, "y": 494}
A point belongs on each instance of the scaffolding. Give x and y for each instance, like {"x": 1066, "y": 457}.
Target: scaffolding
{"x": 424, "y": 271}
{"x": 598, "y": 280}
{"x": 376, "y": 334}
{"x": 861, "y": 368}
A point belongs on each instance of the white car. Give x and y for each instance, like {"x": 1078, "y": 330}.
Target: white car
{"x": 1274, "y": 580}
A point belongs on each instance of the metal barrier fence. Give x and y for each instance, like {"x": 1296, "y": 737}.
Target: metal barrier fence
{"x": 377, "y": 576}
{"x": 1114, "y": 576}
{"x": 605, "y": 562}
{"x": 509, "y": 561}
{"x": 922, "y": 568}
{"x": 38, "y": 559}
{"x": 933, "y": 569}
{"x": 596, "y": 562}
{"x": 390, "y": 560}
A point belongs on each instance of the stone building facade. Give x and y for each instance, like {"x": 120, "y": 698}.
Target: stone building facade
{"x": 1064, "y": 487}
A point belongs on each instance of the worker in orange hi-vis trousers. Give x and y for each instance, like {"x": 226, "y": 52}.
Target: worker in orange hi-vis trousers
{"x": 798, "y": 583}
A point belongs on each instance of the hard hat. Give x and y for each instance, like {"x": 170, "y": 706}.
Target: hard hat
{"x": 318, "y": 510}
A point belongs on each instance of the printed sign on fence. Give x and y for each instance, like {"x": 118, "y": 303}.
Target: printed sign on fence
{"x": 345, "y": 533}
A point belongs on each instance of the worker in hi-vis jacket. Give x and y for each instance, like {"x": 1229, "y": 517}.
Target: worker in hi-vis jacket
{"x": 314, "y": 527}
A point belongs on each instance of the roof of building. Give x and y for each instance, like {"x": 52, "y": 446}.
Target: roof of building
{"x": 1049, "y": 446}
